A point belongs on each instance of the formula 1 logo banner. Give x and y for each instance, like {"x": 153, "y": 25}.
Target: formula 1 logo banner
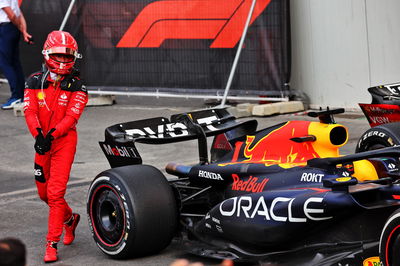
{"x": 219, "y": 20}
{"x": 173, "y": 46}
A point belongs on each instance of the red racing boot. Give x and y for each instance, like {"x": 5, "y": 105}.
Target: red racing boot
{"x": 51, "y": 252}
{"x": 70, "y": 227}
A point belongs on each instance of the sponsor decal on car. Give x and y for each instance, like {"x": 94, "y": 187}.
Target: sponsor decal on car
{"x": 162, "y": 131}
{"x": 378, "y": 110}
{"x": 343, "y": 179}
{"x": 216, "y": 222}
{"x": 374, "y": 133}
{"x": 379, "y": 114}
{"x": 253, "y": 184}
{"x": 210, "y": 175}
{"x": 311, "y": 177}
{"x": 394, "y": 88}
{"x": 170, "y": 129}
{"x": 208, "y": 122}
{"x": 251, "y": 208}
{"x": 121, "y": 151}
{"x": 372, "y": 261}
{"x": 392, "y": 167}
{"x": 379, "y": 119}
{"x": 345, "y": 174}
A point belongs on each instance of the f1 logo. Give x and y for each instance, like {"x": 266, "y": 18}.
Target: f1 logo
{"x": 220, "y": 20}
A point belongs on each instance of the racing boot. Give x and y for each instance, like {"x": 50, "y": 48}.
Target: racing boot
{"x": 51, "y": 252}
{"x": 70, "y": 227}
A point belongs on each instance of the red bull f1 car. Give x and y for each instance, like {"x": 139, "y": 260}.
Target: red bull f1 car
{"x": 281, "y": 195}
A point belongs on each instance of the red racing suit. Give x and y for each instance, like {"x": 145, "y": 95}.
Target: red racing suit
{"x": 54, "y": 104}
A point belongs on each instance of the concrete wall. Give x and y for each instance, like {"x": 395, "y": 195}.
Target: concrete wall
{"x": 342, "y": 47}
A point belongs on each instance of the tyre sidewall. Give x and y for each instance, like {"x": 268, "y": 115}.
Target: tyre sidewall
{"x": 119, "y": 250}
{"x": 149, "y": 205}
{"x": 377, "y": 135}
{"x": 390, "y": 234}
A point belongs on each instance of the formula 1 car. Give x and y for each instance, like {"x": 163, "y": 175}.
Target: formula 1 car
{"x": 282, "y": 195}
{"x": 383, "y": 115}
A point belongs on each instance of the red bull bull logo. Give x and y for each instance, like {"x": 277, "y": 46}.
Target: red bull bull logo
{"x": 277, "y": 148}
{"x": 291, "y": 144}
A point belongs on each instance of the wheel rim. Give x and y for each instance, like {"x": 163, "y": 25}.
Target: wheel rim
{"x": 108, "y": 217}
{"x": 376, "y": 147}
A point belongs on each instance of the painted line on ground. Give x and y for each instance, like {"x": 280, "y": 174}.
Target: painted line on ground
{"x": 29, "y": 190}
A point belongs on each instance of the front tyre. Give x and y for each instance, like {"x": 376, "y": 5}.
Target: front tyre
{"x": 132, "y": 211}
{"x": 379, "y": 137}
{"x": 389, "y": 245}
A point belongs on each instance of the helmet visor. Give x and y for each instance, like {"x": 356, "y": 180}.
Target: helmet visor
{"x": 62, "y": 50}
{"x": 62, "y": 58}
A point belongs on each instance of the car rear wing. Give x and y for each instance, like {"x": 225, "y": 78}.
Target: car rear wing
{"x": 385, "y": 94}
{"x": 119, "y": 145}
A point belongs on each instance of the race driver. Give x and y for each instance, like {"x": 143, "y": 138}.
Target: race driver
{"x": 54, "y": 100}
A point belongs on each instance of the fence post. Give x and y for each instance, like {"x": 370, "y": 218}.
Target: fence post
{"x": 239, "y": 50}
{"x": 67, "y": 15}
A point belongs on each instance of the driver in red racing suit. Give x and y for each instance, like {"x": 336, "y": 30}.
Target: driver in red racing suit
{"x": 54, "y": 100}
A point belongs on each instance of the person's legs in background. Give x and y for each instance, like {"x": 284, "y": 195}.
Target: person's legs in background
{"x": 10, "y": 63}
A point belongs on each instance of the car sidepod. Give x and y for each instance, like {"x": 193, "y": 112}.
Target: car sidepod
{"x": 289, "y": 219}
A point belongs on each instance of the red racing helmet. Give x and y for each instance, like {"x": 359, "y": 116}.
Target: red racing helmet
{"x": 60, "y": 51}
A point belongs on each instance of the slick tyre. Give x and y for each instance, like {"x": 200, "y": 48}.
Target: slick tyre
{"x": 389, "y": 245}
{"x": 132, "y": 211}
{"x": 378, "y": 137}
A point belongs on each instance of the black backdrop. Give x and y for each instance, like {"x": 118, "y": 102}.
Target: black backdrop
{"x": 188, "y": 63}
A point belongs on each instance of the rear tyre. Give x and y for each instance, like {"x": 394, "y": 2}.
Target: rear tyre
{"x": 389, "y": 245}
{"x": 379, "y": 137}
{"x": 131, "y": 211}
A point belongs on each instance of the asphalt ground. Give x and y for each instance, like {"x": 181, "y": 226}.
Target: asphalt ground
{"x": 23, "y": 215}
